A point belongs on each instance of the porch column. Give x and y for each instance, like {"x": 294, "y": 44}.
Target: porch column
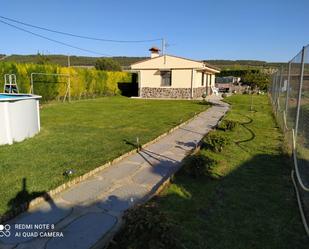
{"x": 192, "y": 82}
{"x": 206, "y": 76}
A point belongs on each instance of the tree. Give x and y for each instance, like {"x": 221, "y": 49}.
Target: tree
{"x": 107, "y": 64}
{"x": 256, "y": 79}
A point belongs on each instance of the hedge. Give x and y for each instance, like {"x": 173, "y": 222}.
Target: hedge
{"x": 85, "y": 83}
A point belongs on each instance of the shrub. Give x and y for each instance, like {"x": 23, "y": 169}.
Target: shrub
{"x": 257, "y": 79}
{"x": 224, "y": 95}
{"x": 227, "y": 125}
{"x": 146, "y": 227}
{"x": 84, "y": 82}
{"x": 215, "y": 141}
{"x": 198, "y": 165}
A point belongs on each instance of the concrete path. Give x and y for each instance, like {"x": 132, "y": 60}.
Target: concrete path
{"x": 85, "y": 215}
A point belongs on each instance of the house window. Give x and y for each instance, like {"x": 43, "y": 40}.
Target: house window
{"x": 203, "y": 76}
{"x": 166, "y": 78}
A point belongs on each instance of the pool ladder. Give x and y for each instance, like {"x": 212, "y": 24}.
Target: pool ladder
{"x": 10, "y": 85}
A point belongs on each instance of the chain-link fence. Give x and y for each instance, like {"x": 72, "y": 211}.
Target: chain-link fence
{"x": 290, "y": 98}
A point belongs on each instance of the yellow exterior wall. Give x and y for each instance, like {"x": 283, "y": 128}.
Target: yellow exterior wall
{"x": 198, "y": 79}
{"x": 184, "y": 72}
{"x": 209, "y": 80}
{"x": 213, "y": 79}
{"x": 150, "y": 78}
{"x": 181, "y": 78}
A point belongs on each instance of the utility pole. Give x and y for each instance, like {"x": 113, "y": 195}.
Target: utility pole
{"x": 69, "y": 62}
{"x": 163, "y": 49}
{"x": 163, "y": 46}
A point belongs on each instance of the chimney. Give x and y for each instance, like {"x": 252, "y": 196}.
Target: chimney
{"x": 155, "y": 52}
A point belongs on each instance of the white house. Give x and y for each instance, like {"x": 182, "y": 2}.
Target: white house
{"x": 168, "y": 76}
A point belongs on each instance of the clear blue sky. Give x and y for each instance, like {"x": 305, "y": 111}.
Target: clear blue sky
{"x": 271, "y": 30}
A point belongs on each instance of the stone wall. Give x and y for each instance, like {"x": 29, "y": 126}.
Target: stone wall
{"x": 177, "y": 93}
{"x": 199, "y": 91}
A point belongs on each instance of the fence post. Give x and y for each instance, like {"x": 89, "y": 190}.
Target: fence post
{"x": 280, "y": 87}
{"x": 69, "y": 80}
{"x": 300, "y": 91}
{"x": 273, "y": 95}
{"x": 69, "y": 86}
{"x": 272, "y": 89}
{"x": 288, "y": 90}
{"x": 277, "y": 92}
{"x": 275, "y": 88}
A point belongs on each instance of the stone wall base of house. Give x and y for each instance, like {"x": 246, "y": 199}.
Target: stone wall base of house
{"x": 199, "y": 91}
{"x": 175, "y": 93}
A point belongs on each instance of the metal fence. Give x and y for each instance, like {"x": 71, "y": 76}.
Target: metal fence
{"x": 289, "y": 94}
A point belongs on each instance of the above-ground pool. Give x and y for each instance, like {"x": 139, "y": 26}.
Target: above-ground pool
{"x": 19, "y": 117}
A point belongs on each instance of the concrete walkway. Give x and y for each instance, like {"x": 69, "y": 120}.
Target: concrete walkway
{"x": 89, "y": 212}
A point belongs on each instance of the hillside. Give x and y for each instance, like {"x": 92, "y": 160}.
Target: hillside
{"x": 245, "y": 64}
{"x": 62, "y": 60}
{"x": 124, "y": 61}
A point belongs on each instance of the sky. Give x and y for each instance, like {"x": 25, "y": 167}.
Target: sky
{"x": 269, "y": 30}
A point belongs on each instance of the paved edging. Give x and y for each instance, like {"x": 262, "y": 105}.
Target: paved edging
{"x": 104, "y": 243}
{"x": 52, "y": 193}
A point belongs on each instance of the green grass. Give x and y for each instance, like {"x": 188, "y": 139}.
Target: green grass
{"x": 252, "y": 204}
{"x": 83, "y": 135}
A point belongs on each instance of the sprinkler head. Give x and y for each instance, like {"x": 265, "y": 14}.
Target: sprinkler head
{"x": 69, "y": 172}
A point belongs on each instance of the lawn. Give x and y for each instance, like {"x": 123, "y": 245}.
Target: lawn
{"x": 251, "y": 204}
{"x": 83, "y": 135}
